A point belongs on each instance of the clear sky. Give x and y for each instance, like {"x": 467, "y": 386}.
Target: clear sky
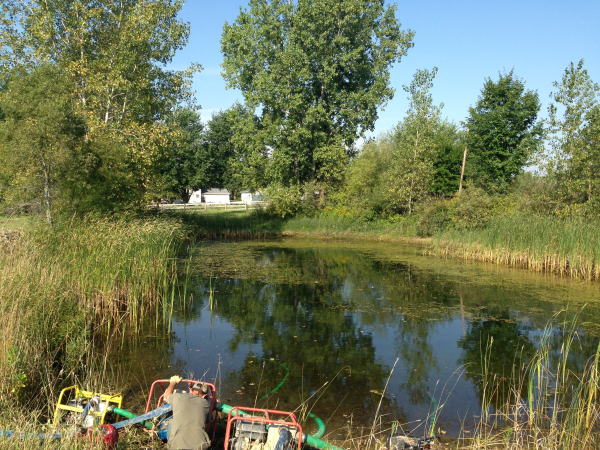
{"x": 468, "y": 40}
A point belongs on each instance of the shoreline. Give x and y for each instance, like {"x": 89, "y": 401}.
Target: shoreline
{"x": 561, "y": 248}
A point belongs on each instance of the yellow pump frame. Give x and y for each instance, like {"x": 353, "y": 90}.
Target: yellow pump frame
{"x": 116, "y": 399}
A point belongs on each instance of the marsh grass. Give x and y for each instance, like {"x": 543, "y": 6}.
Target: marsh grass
{"x": 68, "y": 292}
{"x": 569, "y": 247}
{"x": 552, "y": 402}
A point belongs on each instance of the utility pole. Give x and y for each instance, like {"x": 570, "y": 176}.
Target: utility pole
{"x": 462, "y": 172}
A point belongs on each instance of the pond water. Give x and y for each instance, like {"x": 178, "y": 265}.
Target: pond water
{"x": 365, "y": 327}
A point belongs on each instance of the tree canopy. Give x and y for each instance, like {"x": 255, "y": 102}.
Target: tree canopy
{"x": 504, "y": 131}
{"x": 41, "y": 134}
{"x": 575, "y": 137}
{"x": 180, "y": 167}
{"x": 113, "y": 52}
{"x": 320, "y": 70}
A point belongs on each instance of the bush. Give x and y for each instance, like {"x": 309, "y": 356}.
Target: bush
{"x": 474, "y": 209}
{"x": 433, "y": 218}
{"x": 285, "y": 201}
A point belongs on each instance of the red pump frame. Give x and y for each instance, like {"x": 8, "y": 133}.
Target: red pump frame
{"x": 266, "y": 419}
{"x": 212, "y": 392}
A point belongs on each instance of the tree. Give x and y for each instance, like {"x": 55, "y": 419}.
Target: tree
{"x": 320, "y": 70}
{"x": 184, "y": 161}
{"x": 414, "y": 143}
{"x": 367, "y": 179}
{"x": 41, "y": 134}
{"x": 229, "y": 149}
{"x": 575, "y": 160}
{"x": 114, "y": 53}
{"x": 503, "y": 132}
{"x": 447, "y": 159}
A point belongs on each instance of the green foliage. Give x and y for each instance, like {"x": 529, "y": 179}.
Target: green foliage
{"x": 413, "y": 143}
{"x": 114, "y": 55}
{"x": 184, "y": 165}
{"x": 284, "y": 200}
{"x": 41, "y": 136}
{"x": 575, "y": 138}
{"x": 474, "y": 209}
{"x": 319, "y": 70}
{"x": 447, "y": 159}
{"x": 390, "y": 175}
{"x": 230, "y": 157}
{"x": 366, "y": 178}
{"x": 503, "y": 132}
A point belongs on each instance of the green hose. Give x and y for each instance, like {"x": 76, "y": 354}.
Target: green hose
{"x": 282, "y": 381}
{"x": 321, "y": 431}
{"x": 129, "y": 415}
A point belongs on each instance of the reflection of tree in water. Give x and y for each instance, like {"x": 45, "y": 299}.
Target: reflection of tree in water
{"x": 492, "y": 348}
{"x": 300, "y": 326}
{"x": 306, "y": 307}
{"x": 413, "y": 346}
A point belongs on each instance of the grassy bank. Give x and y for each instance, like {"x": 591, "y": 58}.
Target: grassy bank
{"x": 68, "y": 291}
{"x": 569, "y": 247}
{"x": 257, "y": 224}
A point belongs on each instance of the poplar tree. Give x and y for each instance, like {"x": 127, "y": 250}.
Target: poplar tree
{"x": 319, "y": 69}
{"x": 414, "y": 142}
{"x": 574, "y": 163}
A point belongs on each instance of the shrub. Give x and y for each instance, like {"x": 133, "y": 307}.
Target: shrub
{"x": 285, "y": 201}
{"x": 433, "y": 218}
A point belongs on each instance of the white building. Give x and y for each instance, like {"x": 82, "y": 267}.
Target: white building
{"x": 196, "y": 197}
{"x": 217, "y": 196}
{"x": 210, "y": 196}
{"x": 249, "y": 197}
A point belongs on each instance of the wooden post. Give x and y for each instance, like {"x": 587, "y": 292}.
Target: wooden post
{"x": 462, "y": 172}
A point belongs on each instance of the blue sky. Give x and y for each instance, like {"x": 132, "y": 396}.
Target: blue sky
{"x": 467, "y": 40}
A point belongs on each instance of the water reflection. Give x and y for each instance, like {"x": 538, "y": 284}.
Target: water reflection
{"x": 339, "y": 318}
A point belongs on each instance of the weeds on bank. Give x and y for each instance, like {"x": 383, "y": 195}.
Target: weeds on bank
{"x": 569, "y": 247}
{"x": 551, "y": 401}
{"x": 64, "y": 291}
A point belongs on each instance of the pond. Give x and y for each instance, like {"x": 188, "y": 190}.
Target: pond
{"x": 366, "y": 329}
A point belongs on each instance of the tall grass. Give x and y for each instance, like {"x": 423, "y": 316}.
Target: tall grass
{"x": 65, "y": 291}
{"x": 568, "y": 247}
{"x": 548, "y": 402}
{"x": 553, "y": 400}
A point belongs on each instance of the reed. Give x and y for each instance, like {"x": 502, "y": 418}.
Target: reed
{"x": 565, "y": 246}
{"x": 552, "y": 402}
{"x": 65, "y": 291}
